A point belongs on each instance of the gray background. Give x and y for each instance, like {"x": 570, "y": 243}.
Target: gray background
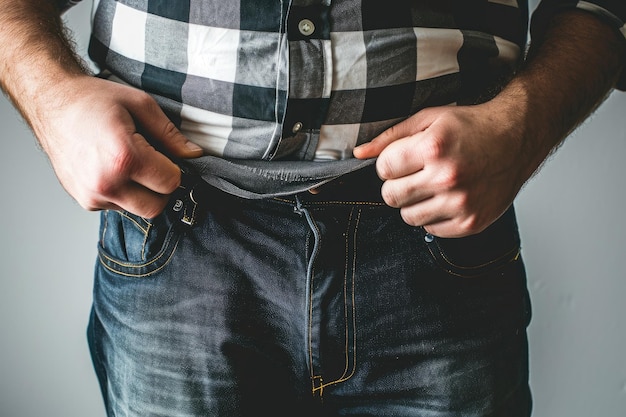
{"x": 573, "y": 231}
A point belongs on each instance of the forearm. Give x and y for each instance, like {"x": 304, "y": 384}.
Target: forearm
{"x": 568, "y": 73}
{"x": 36, "y": 56}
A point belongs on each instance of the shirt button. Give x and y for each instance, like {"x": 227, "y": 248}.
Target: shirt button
{"x": 306, "y": 27}
{"x": 296, "y": 127}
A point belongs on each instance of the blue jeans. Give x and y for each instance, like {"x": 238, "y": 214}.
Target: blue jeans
{"x": 311, "y": 305}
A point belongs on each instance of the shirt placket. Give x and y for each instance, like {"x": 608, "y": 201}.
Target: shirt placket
{"x": 310, "y": 78}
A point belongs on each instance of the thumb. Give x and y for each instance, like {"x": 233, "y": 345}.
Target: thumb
{"x": 407, "y": 127}
{"x": 174, "y": 143}
{"x": 163, "y": 134}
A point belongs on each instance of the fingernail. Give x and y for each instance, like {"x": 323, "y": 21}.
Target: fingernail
{"x": 192, "y": 147}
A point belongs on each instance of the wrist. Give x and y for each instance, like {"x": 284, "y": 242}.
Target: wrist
{"x": 37, "y": 55}
{"x": 53, "y": 105}
{"x": 526, "y": 123}
{"x": 567, "y": 74}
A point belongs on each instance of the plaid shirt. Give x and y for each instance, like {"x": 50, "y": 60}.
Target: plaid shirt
{"x": 311, "y": 79}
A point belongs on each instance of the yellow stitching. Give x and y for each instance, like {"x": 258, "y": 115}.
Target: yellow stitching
{"x": 515, "y": 250}
{"x": 142, "y": 228}
{"x": 356, "y": 229}
{"x": 345, "y": 295}
{"x": 134, "y": 265}
{"x": 515, "y": 258}
{"x": 139, "y": 275}
{"x": 326, "y": 203}
{"x": 345, "y": 375}
{"x": 145, "y": 231}
{"x": 320, "y": 388}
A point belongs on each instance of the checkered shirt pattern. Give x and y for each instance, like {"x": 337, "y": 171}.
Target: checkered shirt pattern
{"x": 311, "y": 79}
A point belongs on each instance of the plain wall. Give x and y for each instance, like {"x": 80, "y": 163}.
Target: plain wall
{"x": 573, "y": 230}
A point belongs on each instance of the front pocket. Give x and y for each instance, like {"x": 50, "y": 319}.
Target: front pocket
{"x": 479, "y": 254}
{"x": 134, "y": 246}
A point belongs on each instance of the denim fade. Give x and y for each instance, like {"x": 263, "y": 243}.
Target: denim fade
{"x": 307, "y": 305}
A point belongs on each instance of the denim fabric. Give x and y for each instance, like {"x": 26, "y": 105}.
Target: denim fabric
{"x": 307, "y": 306}
{"x": 256, "y": 179}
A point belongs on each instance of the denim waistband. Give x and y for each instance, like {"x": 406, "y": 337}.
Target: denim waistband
{"x": 362, "y": 186}
{"x": 198, "y": 192}
{"x": 254, "y": 179}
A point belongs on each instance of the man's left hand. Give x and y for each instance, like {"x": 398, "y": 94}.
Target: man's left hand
{"x": 453, "y": 169}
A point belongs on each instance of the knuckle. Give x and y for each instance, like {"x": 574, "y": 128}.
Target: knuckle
{"x": 122, "y": 163}
{"x": 384, "y": 166}
{"x": 470, "y": 225}
{"x": 410, "y": 218}
{"x": 145, "y": 100}
{"x": 90, "y": 203}
{"x": 406, "y": 153}
{"x": 448, "y": 177}
{"x": 105, "y": 184}
{"x": 170, "y": 131}
{"x": 461, "y": 203}
{"x": 435, "y": 147}
{"x": 392, "y": 160}
{"x": 390, "y": 195}
{"x": 103, "y": 188}
{"x": 464, "y": 229}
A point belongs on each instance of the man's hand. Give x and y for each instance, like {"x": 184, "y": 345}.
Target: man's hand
{"x": 101, "y": 138}
{"x": 451, "y": 169}
{"x": 104, "y": 140}
{"x": 455, "y": 170}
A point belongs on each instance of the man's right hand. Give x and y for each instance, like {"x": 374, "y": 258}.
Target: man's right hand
{"x": 101, "y": 138}
{"x": 107, "y": 142}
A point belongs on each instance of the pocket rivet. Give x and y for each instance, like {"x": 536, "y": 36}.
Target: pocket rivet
{"x": 429, "y": 238}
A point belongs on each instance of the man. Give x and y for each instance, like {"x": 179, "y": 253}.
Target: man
{"x": 274, "y": 273}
